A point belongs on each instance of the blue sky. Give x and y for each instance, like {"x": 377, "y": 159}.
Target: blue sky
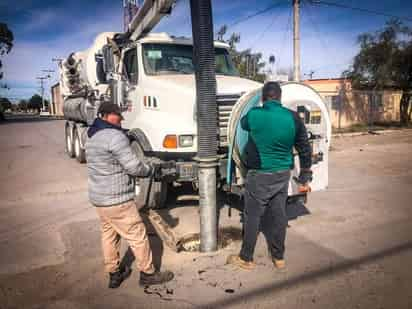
{"x": 47, "y": 29}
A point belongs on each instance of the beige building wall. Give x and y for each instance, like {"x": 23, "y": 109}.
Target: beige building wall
{"x": 57, "y": 101}
{"x": 348, "y": 107}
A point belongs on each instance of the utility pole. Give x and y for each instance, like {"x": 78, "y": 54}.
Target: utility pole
{"x": 42, "y": 79}
{"x": 296, "y": 41}
{"x": 48, "y": 76}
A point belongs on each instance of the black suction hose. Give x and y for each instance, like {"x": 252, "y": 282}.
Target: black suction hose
{"x": 204, "y": 61}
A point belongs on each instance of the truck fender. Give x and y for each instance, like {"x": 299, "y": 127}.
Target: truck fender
{"x": 139, "y": 136}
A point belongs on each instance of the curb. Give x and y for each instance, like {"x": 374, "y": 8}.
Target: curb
{"x": 377, "y": 132}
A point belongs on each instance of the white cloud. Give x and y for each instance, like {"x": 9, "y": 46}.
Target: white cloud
{"x": 41, "y": 18}
{"x": 28, "y": 58}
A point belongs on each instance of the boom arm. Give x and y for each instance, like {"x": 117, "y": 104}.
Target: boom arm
{"x": 148, "y": 17}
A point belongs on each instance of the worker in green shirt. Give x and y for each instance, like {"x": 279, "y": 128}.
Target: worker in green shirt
{"x": 273, "y": 133}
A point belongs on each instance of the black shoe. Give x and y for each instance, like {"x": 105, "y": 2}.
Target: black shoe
{"x": 158, "y": 277}
{"x": 118, "y": 277}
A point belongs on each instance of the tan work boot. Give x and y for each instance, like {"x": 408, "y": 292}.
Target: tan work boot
{"x": 237, "y": 261}
{"x": 279, "y": 264}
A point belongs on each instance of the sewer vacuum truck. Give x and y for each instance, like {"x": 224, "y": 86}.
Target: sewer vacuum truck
{"x": 152, "y": 80}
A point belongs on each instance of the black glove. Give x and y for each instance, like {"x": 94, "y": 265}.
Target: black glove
{"x": 163, "y": 170}
{"x": 156, "y": 171}
{"x": 168, "y": 165}
{"x": 305, "y": 176}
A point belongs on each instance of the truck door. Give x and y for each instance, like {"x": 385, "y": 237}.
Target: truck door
{"x": 130, "y": 87}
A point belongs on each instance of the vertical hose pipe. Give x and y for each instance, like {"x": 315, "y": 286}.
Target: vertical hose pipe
{"x": 204, "y": 62}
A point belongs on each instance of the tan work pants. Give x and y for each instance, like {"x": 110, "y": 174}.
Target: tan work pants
{"x": 124, "y": 221}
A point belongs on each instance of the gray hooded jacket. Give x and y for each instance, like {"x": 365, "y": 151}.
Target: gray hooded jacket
{"x": 111, "y": 165}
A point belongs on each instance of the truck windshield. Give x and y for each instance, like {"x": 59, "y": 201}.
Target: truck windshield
{"x": 162, "y": 59}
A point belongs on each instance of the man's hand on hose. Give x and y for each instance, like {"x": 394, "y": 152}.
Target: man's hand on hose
{"x": 160, "y": 171}
{"x": 305, "y": 176}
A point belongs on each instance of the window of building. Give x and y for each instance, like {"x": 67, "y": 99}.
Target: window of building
{"x": 334, "y": 101}
{"x": 377, "y": 102}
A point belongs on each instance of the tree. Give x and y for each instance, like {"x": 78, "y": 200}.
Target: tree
{"x": 272, "y": 61}
{"x": 221, "y": 33}
{"x": 385, "y": 61}
{"x": 6, "y": 42}
{"x": 5, "y": 103}
{"x": 22, "y": 105}
{"x": 35, "y": 102}
{"x": 247, "y": 63}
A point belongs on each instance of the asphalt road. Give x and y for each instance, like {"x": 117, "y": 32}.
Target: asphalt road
{"x": 353, "y": 251}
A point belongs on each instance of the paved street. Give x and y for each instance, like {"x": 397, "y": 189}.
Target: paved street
{"x": 353, "y": 251}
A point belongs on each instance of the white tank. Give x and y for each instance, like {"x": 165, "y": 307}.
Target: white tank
{"x": 310, "y": 105}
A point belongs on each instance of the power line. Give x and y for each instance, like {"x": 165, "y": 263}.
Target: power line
{"x": 269, "y": 8}
{"x": 353, "y": 8}
{"x": 325, "y": 47}
{"x": 285, "y": 34}
{"x": 262, "y": 34}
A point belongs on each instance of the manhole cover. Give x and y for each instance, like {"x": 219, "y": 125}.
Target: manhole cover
{"x": 227, "y": 235}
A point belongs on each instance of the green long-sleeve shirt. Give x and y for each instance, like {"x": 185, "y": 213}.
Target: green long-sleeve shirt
{"x": 273, "y": 132}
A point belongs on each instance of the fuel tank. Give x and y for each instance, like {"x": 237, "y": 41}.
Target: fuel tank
{"x": 80, "y": 110}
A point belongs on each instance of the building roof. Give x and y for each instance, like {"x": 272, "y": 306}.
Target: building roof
{"x": 326, "y": 80}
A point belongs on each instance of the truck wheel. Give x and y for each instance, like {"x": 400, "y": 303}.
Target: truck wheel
{"x": 79, "y": 152}
{"x": 158, "y": 192}
{"x": 69, "y": 142}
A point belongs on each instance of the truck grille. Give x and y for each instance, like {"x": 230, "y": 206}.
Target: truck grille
{"x": 225, "y": 105}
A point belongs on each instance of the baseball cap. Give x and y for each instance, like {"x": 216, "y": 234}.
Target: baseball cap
{"x": 109, "y": 108}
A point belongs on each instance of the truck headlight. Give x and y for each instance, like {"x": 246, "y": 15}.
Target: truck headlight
{"x": 185, "y": 140}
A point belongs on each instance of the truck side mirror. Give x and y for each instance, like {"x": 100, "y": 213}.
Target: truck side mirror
{"x": 100, "y": 73}
{"x": 108, "y": 59}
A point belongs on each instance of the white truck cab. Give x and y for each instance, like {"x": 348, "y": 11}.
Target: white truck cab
{"x": 160, "y": 92}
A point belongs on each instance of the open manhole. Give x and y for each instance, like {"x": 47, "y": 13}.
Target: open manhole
{"x": 226, "y": 236}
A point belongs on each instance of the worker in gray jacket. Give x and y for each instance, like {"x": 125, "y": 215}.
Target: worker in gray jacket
{"x": 112, "y": 167}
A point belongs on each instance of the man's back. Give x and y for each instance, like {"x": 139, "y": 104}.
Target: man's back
{"x": 273, "y": 131}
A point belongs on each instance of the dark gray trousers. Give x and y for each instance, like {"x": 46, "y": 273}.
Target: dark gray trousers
{"x": 265, "y": 210}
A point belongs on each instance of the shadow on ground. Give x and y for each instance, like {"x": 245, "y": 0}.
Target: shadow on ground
{"x": 294, "y": 281}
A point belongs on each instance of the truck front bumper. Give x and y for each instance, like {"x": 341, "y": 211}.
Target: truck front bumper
{"x": 187, "y": 171}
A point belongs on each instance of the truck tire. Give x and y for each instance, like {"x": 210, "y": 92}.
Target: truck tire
{"x": 79, "y": 152}
{"x": 158, "y": 192}
{"x": 69, "y": 142}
